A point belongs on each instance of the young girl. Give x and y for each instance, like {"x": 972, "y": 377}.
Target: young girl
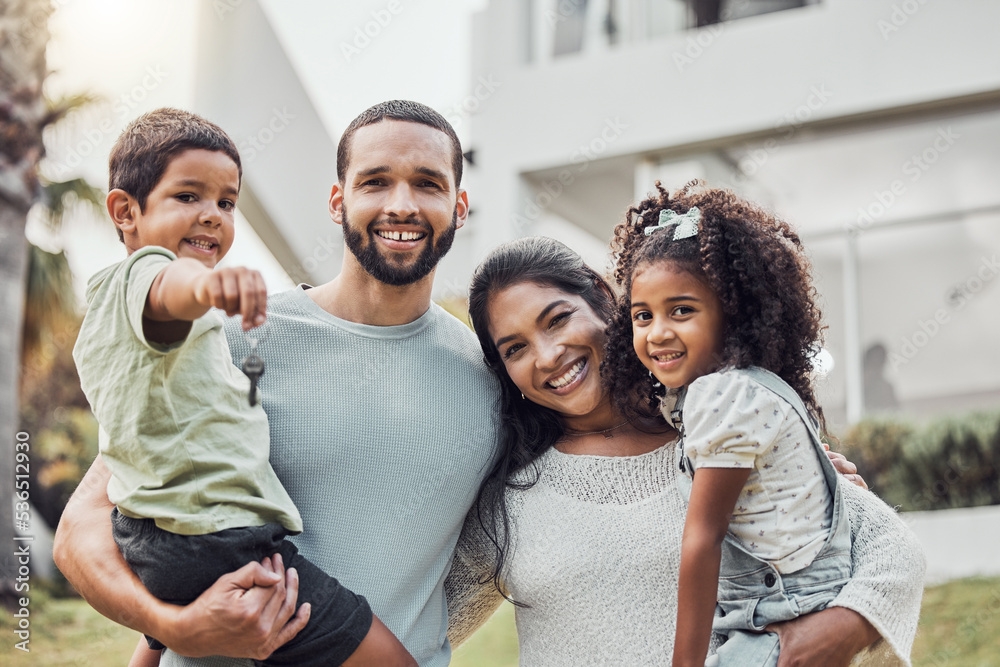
{"x": 718, "y": 319}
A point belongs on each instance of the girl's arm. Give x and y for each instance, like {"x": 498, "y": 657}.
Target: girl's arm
{"x": 713, "y": 495}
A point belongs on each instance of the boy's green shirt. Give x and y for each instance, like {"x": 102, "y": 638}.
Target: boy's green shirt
{"x": 183, "y": 445}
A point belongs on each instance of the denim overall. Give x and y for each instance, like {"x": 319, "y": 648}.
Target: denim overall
{"x": 752, "y": 593}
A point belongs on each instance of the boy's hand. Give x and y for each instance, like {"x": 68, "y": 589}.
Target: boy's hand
{"x": 234, "y": 290}
{"x": 186, "y": 289}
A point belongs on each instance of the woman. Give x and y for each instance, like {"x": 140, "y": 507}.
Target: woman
{"x": 580, "y": 520}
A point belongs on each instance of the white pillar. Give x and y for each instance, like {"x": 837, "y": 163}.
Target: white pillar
{"x": 543, "y": 29}
{"x": 645, "y": 175}
{"x": 853, "y": 362}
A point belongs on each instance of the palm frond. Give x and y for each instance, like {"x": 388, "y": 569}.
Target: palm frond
{"x": 59, "y": 196}
{"x": 59, "y": 108}
{"x": 49, "y": 300}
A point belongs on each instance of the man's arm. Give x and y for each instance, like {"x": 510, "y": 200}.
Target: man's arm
{"x": 831, "y": 637}
{"x": 246, "y": 613}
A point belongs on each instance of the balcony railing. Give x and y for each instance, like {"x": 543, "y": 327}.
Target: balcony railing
{"x": 562, "y": 27}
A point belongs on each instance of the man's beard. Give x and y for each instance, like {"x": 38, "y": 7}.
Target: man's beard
{"x": 391, "y": 273}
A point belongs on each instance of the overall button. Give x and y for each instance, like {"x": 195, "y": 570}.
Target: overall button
{"x": 769, "y": 579}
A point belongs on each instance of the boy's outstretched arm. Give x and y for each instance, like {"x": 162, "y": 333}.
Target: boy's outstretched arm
{"x": 187, "y": 289}
{"x": 246, "y": 613}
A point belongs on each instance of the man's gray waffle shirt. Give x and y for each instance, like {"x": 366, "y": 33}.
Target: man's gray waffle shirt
{"x": 381, "y": 435}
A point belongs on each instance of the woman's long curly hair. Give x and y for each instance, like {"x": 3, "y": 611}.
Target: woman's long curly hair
{"x": 527, "y": 429}
{"x": 755, "y": 264}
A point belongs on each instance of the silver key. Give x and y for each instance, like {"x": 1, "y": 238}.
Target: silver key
{"x": 253, "y": 367}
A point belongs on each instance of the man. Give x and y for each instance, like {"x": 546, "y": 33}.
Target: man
{"x": 381, "y": 412}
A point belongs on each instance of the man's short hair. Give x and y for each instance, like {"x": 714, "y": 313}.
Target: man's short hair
{"x": 144, "y": 149}
{"x": 405, "y": 110}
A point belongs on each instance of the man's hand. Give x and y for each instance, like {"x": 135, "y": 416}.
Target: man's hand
{"x": 246, "y": 613}
{"x": 830, "y": 638}
{"x": 846, "y": 468}
{"x": 234, "y": 290}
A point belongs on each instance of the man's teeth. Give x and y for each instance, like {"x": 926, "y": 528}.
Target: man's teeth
{"x": 568, "y": 376}
{"x": 401, "y": 236}
{"x": 204, "y": 245}
{"x": 669, "y": 357}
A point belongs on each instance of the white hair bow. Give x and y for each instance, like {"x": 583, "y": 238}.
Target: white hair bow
{"x": 686, "y": 223}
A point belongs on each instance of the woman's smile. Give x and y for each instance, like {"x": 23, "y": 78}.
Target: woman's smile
{"x": 569, "y": 380}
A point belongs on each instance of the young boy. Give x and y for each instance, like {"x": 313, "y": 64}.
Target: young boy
{"x": 195, "y": 494}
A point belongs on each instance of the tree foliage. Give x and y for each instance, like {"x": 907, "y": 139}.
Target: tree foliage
{"x": 945, "y": 463}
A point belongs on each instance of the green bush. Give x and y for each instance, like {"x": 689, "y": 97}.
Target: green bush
{"x": 948, "y": 462}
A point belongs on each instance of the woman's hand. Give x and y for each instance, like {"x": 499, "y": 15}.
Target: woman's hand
{"x": 830, "y": 638}
{"x": 846, "y": 468}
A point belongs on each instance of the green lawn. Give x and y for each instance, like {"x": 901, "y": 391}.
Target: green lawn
{"x": 494, "y": 645}
{"x": 66, "y": 632}
{"x": 959, "y": 627}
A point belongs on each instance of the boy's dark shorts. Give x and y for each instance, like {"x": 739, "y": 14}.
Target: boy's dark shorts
{"x": 178, "y": 568}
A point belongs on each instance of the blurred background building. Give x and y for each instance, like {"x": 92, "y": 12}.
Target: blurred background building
{"x": 874, "y": 127}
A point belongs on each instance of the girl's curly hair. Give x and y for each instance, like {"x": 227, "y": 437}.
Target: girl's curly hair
{"x": 755, "y": 264}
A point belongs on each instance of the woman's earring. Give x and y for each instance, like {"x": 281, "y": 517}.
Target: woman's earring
{"x": 522, "y": 395}
{"x": 656, "y": 383}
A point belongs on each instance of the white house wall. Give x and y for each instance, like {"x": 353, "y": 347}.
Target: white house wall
{"x": 751, "y": 75}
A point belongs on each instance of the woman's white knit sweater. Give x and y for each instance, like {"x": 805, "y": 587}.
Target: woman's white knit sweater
{"x": 596, "y": 554}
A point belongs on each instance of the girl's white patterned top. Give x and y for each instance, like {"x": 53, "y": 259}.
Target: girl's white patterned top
{"x": 783, "y": 512}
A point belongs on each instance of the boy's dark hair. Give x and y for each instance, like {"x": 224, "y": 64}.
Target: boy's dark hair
{"x": 755, "y": 264}
{"x": 147, "y": 145}
{"x": 527, "y": 429}
{"x": 413, "y": 112}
